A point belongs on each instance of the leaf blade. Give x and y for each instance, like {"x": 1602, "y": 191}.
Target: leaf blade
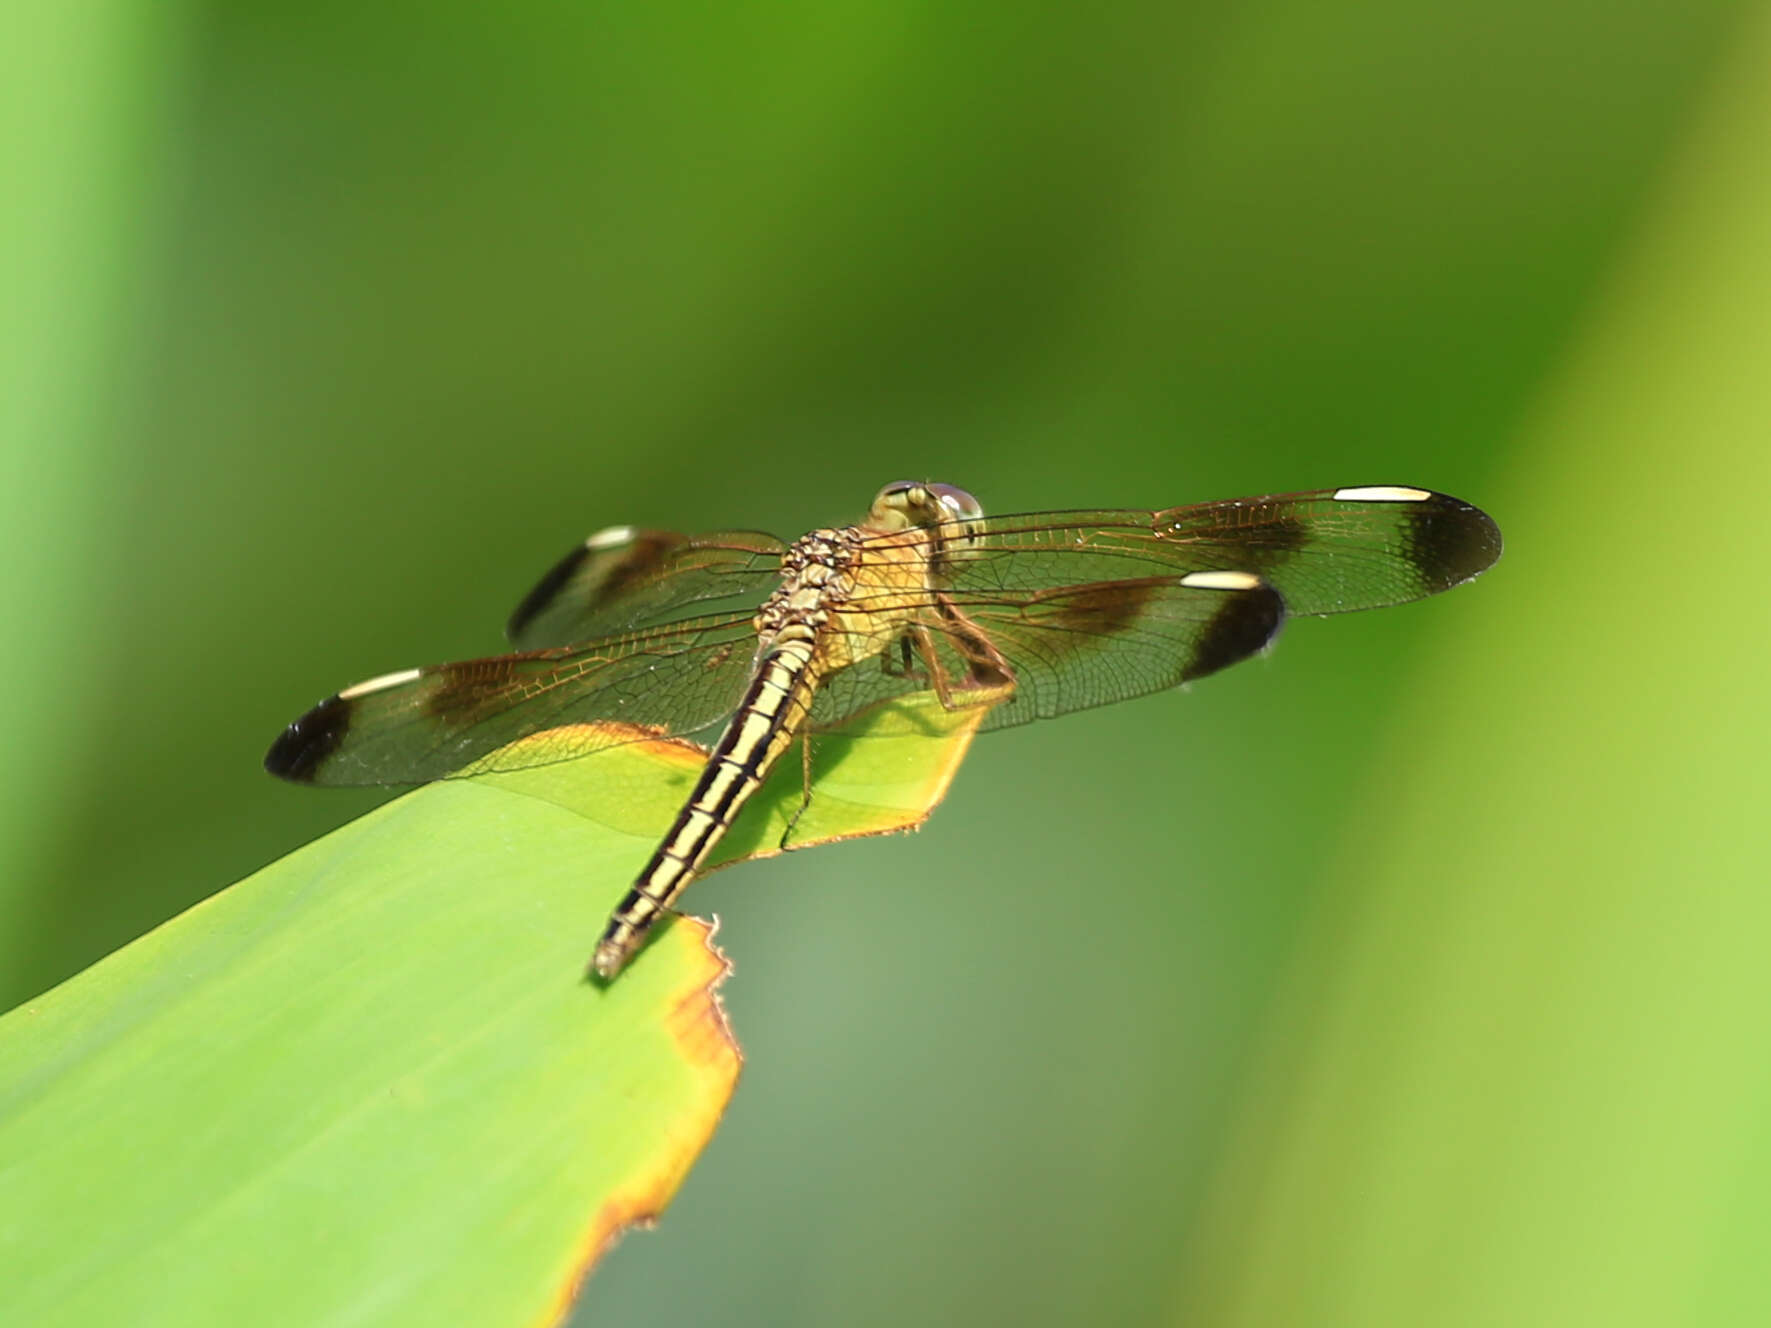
{"x": 369, "y": 1081}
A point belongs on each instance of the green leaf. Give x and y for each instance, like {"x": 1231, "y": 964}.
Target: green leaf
{"x": 370, "y": 1083}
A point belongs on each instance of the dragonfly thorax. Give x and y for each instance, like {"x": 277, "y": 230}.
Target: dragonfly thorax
{"x": 814, "y": 574}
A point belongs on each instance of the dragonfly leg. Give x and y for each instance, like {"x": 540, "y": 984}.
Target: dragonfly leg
{"x": 988, "y": 678}
{"x": 805, "y": 800}
{"x": 903, "y": 662}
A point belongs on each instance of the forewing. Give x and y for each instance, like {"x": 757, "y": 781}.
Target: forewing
{"x": 1066, "y": 647}
{"x": 623, "y": 579}
{"x": 1328, "y": 551}
{"x": 454, "y": 719}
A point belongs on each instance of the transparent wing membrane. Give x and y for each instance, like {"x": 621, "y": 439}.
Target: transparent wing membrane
{"x": 1064, "y": 649}
{"x": 1324, "y": 552}
{"x": 622, "y": 579}
{"x": 451, "y": 719}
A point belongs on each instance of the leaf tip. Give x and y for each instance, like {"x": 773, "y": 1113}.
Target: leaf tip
{"x": 698, "y": 1026}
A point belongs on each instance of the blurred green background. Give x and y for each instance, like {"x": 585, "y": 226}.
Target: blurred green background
{"x": 1416, "y": 974}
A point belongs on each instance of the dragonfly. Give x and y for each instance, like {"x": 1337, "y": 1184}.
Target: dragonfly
{"x": 752, "y": 642}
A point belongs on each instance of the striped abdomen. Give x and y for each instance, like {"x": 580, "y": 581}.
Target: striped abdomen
{"x": 762, "y": 729}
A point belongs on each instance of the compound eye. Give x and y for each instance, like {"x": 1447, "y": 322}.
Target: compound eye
{"x": 957, "y": 502}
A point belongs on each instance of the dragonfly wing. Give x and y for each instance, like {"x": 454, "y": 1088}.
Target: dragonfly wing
{"x": 1066, "y": 647}
{"x": 622, "y": 579}
{"x": 1081, "y": 646}
{"x": 1340, "y": 550}
{"x": 457, "y": 719}
{"x": 1327, "y": 551}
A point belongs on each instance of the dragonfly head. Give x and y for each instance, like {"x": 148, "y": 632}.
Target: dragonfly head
{"x": 907, "y": 504}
